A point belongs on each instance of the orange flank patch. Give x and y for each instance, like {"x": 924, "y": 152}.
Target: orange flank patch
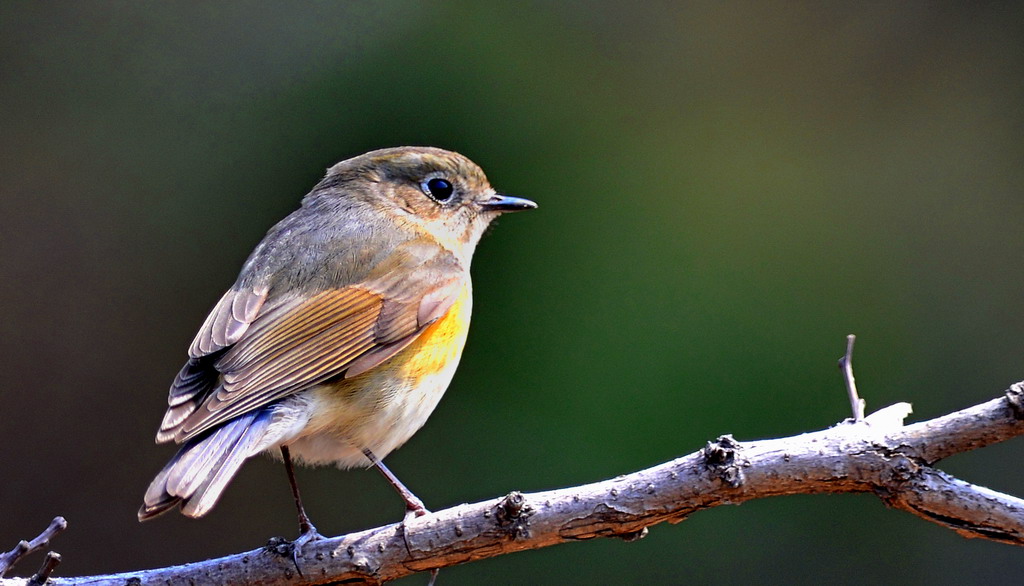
{"x": 439, "y": 344}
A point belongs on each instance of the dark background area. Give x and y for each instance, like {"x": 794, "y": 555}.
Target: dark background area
{"x": 726, "y": 191}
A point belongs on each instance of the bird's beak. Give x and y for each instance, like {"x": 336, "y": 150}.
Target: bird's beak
{"x": 506, "y": 203}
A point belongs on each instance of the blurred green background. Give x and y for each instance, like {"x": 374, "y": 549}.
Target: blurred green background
{"x": 726, "y": 191}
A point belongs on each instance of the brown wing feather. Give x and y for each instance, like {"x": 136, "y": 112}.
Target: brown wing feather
{"x": 272, "y": 334}
{"x": 251, "y": 352}
{"x": 228, "y": 321}
{"x": 313, "y": 341}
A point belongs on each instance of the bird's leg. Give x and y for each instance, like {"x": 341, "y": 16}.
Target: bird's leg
{"x": 413, "y": 506}
{"x": 307, "y": 532}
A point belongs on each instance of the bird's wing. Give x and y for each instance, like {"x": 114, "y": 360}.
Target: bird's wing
{"x": 252, "y": 351}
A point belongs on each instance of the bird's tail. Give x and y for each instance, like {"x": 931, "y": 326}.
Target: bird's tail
{"x": 197, "y": 475}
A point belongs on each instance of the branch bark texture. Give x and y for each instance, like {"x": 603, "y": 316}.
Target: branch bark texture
{"x": 878, "y": 455}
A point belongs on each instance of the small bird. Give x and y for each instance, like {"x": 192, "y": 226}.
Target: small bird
{"x": 341, "y": 333}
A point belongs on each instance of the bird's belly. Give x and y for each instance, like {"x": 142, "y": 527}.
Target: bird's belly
{"x": 380, "y": 409}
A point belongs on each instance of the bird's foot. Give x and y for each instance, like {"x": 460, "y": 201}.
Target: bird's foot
{"x": 293, "y": 549}
{"x": 414, "y": 508}
{"x": 308, "y": 534}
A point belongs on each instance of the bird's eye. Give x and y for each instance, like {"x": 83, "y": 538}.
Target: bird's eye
{"x": 438, "y": 189}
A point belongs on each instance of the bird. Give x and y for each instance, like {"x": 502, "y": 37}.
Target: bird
{"x": 341, "y": 333}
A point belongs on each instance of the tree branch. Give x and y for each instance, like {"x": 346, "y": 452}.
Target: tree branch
{"x": 878, "y": 455}
{"x": 24, "y": 548}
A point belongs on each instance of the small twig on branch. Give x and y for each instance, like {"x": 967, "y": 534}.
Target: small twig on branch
{"x": 846, "y": 364}
{"x": 24, "y": 548}
{"x": 50, "y": 562}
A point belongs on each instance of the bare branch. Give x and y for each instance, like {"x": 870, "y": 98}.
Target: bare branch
{"x": 877, "y": 455}
{"x": 970, "y": 510}
{"x": 24, "y": 548}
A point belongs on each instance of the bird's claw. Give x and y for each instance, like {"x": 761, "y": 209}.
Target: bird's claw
{"x": 309, "y": 534}
{"x": 414, "y": 510}
{"x": 293, "y": 549}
